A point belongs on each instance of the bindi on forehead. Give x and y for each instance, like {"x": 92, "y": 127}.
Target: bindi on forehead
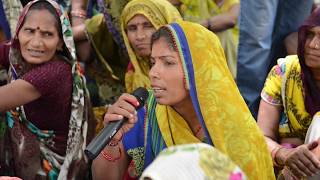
{"x": 38, "y": 28}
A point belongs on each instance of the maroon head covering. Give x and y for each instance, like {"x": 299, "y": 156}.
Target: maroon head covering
{"x": 312, "y": 92}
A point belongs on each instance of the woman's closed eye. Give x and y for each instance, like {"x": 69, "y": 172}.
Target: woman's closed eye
{"x": 169, "y": 62}
{"x": 147, "y": 25}
{"x": 131, "y": 28}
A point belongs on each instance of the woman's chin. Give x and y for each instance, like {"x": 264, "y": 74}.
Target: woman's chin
{"x": 161, "y": 101}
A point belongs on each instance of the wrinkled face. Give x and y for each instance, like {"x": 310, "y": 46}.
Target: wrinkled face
{"x": 139, "y": 32}
{"x": 166, "y": 75}
{"x": 312, "y": 48}
{"x": 38, "y": 37}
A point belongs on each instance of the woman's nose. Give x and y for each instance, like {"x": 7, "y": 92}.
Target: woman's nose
{"x": 140, "y": 34}
{"x": 154, "y": 71}
{"x": 315, "y": 42}
{"x": 36, "y": 41}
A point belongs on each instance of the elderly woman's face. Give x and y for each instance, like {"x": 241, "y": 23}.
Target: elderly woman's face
{"x": 39, "y": 37}
{"x": 166, "y": 75}
{"x": 312, "y": 48}
{"x": 139, "y": 31}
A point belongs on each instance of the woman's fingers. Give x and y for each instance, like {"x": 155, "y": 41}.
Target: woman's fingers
{"x": 311, "y": 146}
{"x": 111, "y": 117}
{"x": 296, "y": 171}
{"x": 124, "y": 108}
{"x": 127, "y": 106}
{"x": 310, "y": 162}
{"x": 125, "y": 101}
{"x": 302, "y": 162}
{"x": 305, "y": 171}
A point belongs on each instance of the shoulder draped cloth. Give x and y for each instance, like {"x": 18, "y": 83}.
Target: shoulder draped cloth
{"x": 78, "y": 123}
{"x": 223, "y": 114}
{"x": 220, "y": 108}
{"x": 284, "y": 87}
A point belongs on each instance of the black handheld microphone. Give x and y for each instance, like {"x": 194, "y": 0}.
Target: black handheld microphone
{"x": 107, "y": 133}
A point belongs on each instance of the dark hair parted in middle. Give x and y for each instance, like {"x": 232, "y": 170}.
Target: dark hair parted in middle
{"x": 167, "y": 35}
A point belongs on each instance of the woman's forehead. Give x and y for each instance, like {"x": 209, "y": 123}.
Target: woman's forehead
{"x": 138, "y": 18}
{"x": 40, "y": 18}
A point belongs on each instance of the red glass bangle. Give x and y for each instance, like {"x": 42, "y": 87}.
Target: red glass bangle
{"x": 108, "y": 157}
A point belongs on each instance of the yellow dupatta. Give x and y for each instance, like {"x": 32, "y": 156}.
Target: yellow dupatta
{"x": 218, "y": 103}
{"x": 283, "y": 87}
{"x": 158, "y": 12}
{"x": 199, "y": 10}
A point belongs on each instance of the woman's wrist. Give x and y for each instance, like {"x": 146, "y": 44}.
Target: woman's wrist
{"x": 281, "y": 156}
{"x": 116, "y": 140}
{"x": 111, "y": 153}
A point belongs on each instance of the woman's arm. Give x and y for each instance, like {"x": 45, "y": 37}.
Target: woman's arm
{"x": 17, "y": 93}
{"x": 300, "y": 160}
{"x": 79, "y": 33}
{"x": 268, "y": 121}
{"x": 78, "y": 16}
{"x": 223, "y": 21}
{"x": 104, "y": 168}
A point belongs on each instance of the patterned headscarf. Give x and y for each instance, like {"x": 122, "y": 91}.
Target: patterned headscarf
{"x": 223, "y": 114}
{"x": 78, "y": 122}
{"x": 312, "y": 92}
{"x": 158, "y": 12}
{"x": 193, "y": 161}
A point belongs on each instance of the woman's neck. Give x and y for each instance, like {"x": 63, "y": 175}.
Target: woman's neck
{"x": 317, "y": 83}
{"x": 316, "y": 76}
{"x": 186, "y": 110}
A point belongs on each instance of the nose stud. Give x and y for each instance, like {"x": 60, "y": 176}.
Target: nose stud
{"x": 316, "y": 46}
